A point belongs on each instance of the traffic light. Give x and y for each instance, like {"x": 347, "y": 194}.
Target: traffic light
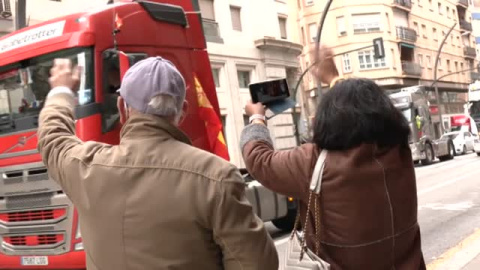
{"x": 379, "y": 50}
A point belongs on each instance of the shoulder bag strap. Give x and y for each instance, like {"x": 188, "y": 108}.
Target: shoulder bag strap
{"x": 316, "y": 183}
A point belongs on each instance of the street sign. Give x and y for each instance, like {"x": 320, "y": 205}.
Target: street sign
{"x": 378, "y": 49}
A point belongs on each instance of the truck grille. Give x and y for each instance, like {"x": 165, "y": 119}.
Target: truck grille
{"x": 35, "y": 215}
{"x": 34, "y": 240}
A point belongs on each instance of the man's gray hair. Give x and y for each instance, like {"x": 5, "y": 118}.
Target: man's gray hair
{"x": 166, "y": 106}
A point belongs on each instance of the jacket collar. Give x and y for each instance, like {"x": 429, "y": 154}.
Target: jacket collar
{"x": 145, "y": 125}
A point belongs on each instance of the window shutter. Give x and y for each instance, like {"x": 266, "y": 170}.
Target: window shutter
{"x": 207, "y": 10}
{"x": 283, "y": 27}
{"x": 236, "y": 19}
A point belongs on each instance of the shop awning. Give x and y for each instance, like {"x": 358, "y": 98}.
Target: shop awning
{"x": 411, "y": 46}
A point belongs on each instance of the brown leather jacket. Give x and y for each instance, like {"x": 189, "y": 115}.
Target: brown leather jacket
{"x": 367, "y": 206}
{"x": 154, "y": 201}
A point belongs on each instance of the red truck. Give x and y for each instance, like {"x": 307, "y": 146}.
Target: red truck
{"x": 38, "y": 223}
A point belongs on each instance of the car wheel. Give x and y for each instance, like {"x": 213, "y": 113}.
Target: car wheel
{"x": 464, "y": 150}
{"x": 478, "y": 154}
{"x": 429, "y": 155}
{"x": 451, "y": 150}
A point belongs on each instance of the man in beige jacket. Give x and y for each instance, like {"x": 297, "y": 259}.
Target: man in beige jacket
{"x": 154, "y": 201}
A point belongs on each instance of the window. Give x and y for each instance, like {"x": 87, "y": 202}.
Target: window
{"x": 440, "y": 63}
{"x": 440, "y": 8}
{"x": 341, "y": 28}
{"x": 216, "y": 77}
{"x": 207, "y": 10}
{"x": 236, "y": 18}
{"x": 312, "y": 31}
{"x": 5, "y": 9}
{"x": 434, "y": 32}
{"x": 366, "y": 61}
{"x": 420, "y": 60}
{"x": 223, "y": 118}
{"x": 303, "y": 35}
{"x": 454, "y": 14}
{"x": 417, "y": 29}
{"x": 448, "y": 12}
{"x": 431, "y": 4}
{"x": 347, "y": 66}
{"x": 282, "y": 21}
{"x": 448, "y": 66}
{"x": 309, "y": 2}
{"x": 419, "y": 2}
{"x": 364, "y": 23}
{"x": 243, "y": 78}
{"x": 429, "y": 61}
{"x": 424, "y": 31}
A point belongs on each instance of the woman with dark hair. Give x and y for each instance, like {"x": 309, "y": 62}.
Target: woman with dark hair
{"x": 368, "y": 201}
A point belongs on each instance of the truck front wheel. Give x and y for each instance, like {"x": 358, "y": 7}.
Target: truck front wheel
{"x": 286, "y": 223}
{"x": 429, "y": 155}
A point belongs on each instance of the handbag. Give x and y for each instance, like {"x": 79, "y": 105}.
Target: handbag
{"x": 298, "y": 256}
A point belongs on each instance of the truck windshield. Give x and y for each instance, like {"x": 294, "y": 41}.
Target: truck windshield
{"x": 24, "y": 87}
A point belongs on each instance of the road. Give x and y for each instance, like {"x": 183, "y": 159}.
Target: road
{"x": 448, "y": 206}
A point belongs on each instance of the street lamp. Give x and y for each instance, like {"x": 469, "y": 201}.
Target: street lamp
{"x": 439, "y": 103}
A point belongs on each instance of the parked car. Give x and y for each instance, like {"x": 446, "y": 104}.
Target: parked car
{"x": 477, "y": 146}
{"x": 462, "y": 140}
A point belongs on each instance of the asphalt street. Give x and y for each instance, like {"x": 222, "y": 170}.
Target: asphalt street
{"x": 448, "y": 207}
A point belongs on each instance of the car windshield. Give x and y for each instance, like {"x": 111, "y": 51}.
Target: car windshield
{"x": 24, "y": 87}
{"x": 450, "y": 136}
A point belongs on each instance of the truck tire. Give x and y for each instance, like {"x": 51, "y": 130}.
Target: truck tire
{"x": 429, "y": 155}
{"x": 286, "y": 223}
{"x": 451, "y": 152}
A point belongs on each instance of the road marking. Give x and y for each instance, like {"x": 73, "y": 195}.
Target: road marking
{"x": 460, "y": 255}
{"x": 444, "y": 184}
{"x": 282, "y": 241}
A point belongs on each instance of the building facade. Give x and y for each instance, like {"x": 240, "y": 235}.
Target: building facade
{"x": 412, "y": 33}
{"x": 40, "y": 10}
{"x": 251, "y": 41}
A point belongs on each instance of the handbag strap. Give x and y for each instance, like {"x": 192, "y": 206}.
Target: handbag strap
{"x": 316, "y": 183}
{"x": 315, "y": 188}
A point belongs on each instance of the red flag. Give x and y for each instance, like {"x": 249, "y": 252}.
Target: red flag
{"x": 213, "y": 124}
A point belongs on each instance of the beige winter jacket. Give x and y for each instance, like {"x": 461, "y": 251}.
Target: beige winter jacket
{"x": 154, "y": 201}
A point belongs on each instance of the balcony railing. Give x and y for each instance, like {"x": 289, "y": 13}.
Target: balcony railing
{"x": 470, "y": 52}
{"x": 463, "y": 2}
{"x": 406, "y": 34}
{"x": 464, "y": 25}
{"x": 211, "y": 31}
{"x": 407, "y": 4}
{"x": 410, "y": 68}
{"x": 475, "y": 76}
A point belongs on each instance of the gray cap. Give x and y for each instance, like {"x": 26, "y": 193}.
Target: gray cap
{"x": 151, "y": 77}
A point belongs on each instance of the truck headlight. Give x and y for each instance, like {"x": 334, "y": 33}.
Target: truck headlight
{"x": 78, "y": 235}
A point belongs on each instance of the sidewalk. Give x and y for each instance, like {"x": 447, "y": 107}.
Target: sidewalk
{"x": 464, "y": 256}
{"x": 473, "y": 265}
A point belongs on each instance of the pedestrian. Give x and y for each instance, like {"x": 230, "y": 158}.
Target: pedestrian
{"x": 367, "y": 206}
{"x": 154, "y": 201}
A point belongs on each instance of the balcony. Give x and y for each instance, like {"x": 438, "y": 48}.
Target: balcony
{"x": 406, "y": 34}
{"x": 211, "y": 31}
{"x": 464, "y": 25}
{"x": 403, "y": 4}
{"x": 412, "y": 69}
{"x": 475, "y": 76}
{"x": 470, "y": 52}
{"x": 463, "y": 3}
